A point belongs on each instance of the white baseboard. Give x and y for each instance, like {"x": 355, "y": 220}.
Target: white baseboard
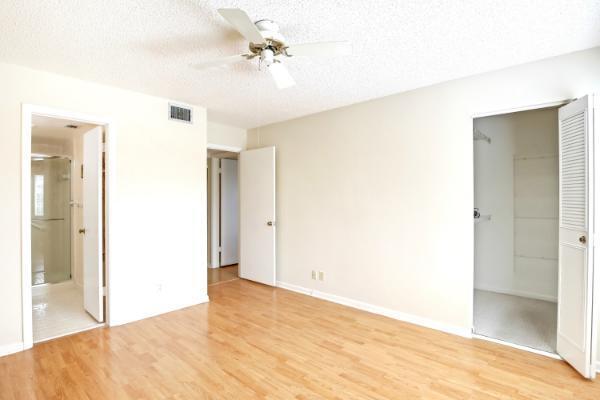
{"x": 294, "y": 288}
{"x": 173, "y": 307}
{"x": 203, "y": 299}
{"x": 598, "y": 367}
{"x": 10, "y": 348}
{"x": 511, "y": 292}
{"x": 413, "y": 319}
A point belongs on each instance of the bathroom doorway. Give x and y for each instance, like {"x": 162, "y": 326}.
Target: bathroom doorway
{"x": 64, "y": 224}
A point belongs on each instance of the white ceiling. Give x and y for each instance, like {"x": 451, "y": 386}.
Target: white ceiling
{"x": 148, "y": 45}
{"x": 55, "y": 128}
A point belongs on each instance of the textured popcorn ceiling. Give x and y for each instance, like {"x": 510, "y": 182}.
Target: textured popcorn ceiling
{"x": 147, "y": 46}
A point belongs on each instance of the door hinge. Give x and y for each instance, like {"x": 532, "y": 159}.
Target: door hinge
{"x": 81, "y": 171}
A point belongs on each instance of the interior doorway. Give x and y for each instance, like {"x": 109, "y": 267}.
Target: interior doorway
{"x": 223, "y": 216}
{"x": 64, "y": 229}
{"x": 241, "y": 209}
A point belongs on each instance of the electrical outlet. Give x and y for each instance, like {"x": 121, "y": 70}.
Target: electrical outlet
{"x": 314, "y": 275}
{"x": 321, "y": 275}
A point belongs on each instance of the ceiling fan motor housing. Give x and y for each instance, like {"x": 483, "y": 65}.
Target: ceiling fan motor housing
{"x": 269, "y": 29}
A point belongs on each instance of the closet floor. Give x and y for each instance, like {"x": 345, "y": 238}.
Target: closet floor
{"x": 515, "y": 319}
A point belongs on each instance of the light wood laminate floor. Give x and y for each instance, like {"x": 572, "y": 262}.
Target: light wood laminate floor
{"x": 256, "y": 342}
{"x": 222, "y": 274}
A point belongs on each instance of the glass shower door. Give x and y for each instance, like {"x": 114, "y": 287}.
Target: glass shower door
{"x": 50, "y": 220}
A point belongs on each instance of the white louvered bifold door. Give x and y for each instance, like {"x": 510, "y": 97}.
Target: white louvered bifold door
{"x": 574, "y": 330}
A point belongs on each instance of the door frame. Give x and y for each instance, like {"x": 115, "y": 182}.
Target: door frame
{"x": 595, "y": 222}
{"x": 27, "y": 112}
{"x": 213, "y": 226}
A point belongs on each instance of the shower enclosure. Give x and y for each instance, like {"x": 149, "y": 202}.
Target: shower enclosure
{"x": 50, "y": 220}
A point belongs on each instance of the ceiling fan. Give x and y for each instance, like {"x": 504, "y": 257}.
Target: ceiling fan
{"x": 270, "y": 46}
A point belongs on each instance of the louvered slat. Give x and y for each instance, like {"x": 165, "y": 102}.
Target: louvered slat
{"x": 573, "y": 167}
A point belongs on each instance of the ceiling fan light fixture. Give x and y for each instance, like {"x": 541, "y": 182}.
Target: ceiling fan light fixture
{"x": 267, "y": 57}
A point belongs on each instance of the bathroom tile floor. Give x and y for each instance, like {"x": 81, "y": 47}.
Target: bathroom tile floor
{"x": 60, "y": 312}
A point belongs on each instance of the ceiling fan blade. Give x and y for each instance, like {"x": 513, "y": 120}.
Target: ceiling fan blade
{"x": 320, "y": 49}
{"x": 281, "y": 76}
{"x": 242, "y": 23}
{"x": 220, "y": 61}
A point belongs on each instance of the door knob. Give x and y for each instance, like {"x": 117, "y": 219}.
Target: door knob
{"x": 270, "y": 223}
{"x": 582, "y": 239}
{"x": 82, "y": 231}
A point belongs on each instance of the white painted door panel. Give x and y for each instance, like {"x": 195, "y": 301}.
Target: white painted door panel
{"x": 92, "y": 221}
{"x": 230, "y": 215}
{"x": 257, "y": 215}
{"x": 575, "y": 254}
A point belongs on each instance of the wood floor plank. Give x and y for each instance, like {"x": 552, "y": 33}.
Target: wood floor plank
{"x": 256, "y": 342}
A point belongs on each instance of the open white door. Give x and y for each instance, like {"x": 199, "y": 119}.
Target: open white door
{"x": 92, "y": 221}
{"x": 575, "y": 250}
{"x": 257, "y": 215}
{"x": 230, "y": 215}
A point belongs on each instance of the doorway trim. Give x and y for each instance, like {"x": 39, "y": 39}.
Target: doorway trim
{"x": 27, "y": 112}
{"x": 222, "y": 147}
{"x": 596, "y": 222}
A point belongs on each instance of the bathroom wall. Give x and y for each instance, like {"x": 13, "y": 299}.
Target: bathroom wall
{"x": 49, "y": 146}
{"x": 516, "y": 183}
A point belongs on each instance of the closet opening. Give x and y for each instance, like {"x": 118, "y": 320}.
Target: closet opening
{"x": 516, "y": 216}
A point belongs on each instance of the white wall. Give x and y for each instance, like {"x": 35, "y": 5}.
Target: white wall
{"x": 516, "y": 182}
{"x": 379, "y": 195}
{"x": 226, "y": 135}
{"x": 158, "y": 203}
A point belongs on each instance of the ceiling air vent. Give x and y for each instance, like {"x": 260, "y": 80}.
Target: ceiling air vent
{"x": 180, "y": 113}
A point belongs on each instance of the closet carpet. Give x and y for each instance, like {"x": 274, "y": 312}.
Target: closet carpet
{"x": 515, "y": 319}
